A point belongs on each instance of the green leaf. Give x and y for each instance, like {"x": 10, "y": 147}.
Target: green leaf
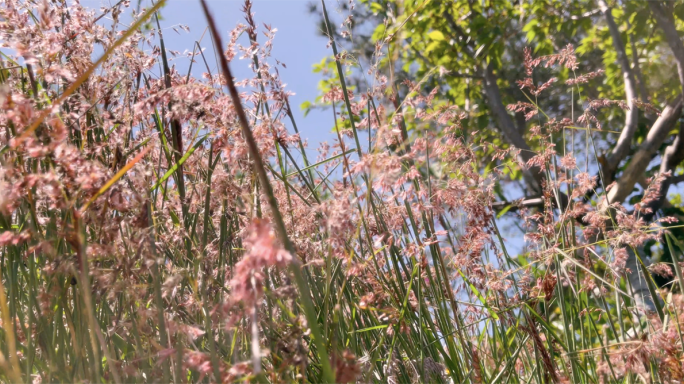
{"x": 376, "y": 8}
{"x": 436, "y": 35}
{"x": 503, "y": 211}
{"x": 174, "y": 218}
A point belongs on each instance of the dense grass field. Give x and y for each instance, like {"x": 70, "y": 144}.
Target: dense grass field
{"x": 161, "y": 227}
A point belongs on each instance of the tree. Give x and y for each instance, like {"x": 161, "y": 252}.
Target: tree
{"x": 480, "y": 45}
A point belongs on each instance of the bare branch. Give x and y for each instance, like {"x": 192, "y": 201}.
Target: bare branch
{"x": 673, "y": 156}
{"x": 624, "y": 143}
{"x": 664, "y": 14}
{"x": 585, "y": 14}
{"x": 637, "y": 165}
{"x": 637, "y": 71}
{"x": 531, "y": 202}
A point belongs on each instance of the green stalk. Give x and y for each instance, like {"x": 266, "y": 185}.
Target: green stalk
{"x": 340, "y": 72}
{"x": 260, "y": 170}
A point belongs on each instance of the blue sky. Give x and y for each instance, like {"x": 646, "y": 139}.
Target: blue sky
{"x": 298, "y": 44}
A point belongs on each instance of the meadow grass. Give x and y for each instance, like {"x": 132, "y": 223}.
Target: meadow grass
{"x": 158, "y": 229}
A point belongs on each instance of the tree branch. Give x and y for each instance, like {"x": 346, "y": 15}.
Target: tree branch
{"x": 624, "y": 143}
{"x": 527, "y": 202}
{"x": 637, "y": 71}
{"x": 533, "y": 177}
{"x": 673, "y": 156}
{"x": 665, "y": 17}
{"x": 637, "y": 165}
{"x": 585, "y": 14}
{"x": 677, "y": 179}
